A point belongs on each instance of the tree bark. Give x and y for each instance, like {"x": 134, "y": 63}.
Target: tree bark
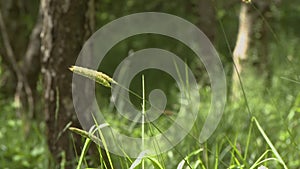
{"x": 251, "y": 14}
{"x": 264, "y": 60}
{"x": 241, "y": 47}
{"x": 65, "y": 28}
{"x": 207, "y": 18}
{"x": 206, "y": 21}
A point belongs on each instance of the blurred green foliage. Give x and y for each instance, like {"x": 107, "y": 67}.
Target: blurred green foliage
{"x": 22, "y": 142}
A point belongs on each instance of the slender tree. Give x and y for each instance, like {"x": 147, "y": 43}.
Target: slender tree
{"x": 252, "y": 14}
{"x": 242, "y": 45}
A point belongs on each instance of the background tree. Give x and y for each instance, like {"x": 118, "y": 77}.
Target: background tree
{"x": 66, "y": 26}
{"x": 253, "y": 26}
{"x": 242, "y": 45}
{"x": 20, "y": 50}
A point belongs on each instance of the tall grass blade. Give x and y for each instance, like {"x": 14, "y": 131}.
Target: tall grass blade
{"x": 257, "y": 162}
{"x": 83, "y": 152}
{"x": 248, "y": 141}
{"x": 277, "y": 155}
{"x": 143, "y": 118}
{"x": 138, "y": 160}
{"x": 185, "y": 160}
{"x": 104, "y": 143}
{"x": 155, "y": 163}
{"x": 217, "y": 157}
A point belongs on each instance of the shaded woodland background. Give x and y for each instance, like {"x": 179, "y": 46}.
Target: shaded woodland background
{"x": 40, "y": 40}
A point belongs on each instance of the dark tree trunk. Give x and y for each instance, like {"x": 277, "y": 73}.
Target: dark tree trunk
{"x": 206, "y": 21}
{"x": 207, "y": 18}
{"x": 264, "y": 63}
{"x": 65, "y": 28}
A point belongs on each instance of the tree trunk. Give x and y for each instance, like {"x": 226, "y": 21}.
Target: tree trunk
{"x": 251, "y": 15}
{"x": 65, "y": 28}
{"x": 241, "y": 47}
{"x": 264, "y": 65}
{"x": 206, "y": 22}
{"x": 207, "y": 18}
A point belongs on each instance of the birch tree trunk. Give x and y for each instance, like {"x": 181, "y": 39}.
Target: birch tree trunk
{"x": 251, "y": 14}
{"x": 241, "y": 47}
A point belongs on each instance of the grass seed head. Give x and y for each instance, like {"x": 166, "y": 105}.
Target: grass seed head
{"x": 99, "y": 77}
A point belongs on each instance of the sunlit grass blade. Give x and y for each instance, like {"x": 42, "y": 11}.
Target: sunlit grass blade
{"x": 155, "y": 163}
{"x": 257, "y": 162}
{"x": 101, "y": 158}
{"x": 143, "y": 118}
{"x": 248, "y": 141}
{"x": 266, "y": 160}
{"x": 217, "y": 157}
{"x": 104, "y": 143}
{"x": 277, "y": 155}
{"x": 236, "y": 155}
{"x": 83, "y": 152}
{"x": 185, "y": 160}
{"x": 138, "y": 160}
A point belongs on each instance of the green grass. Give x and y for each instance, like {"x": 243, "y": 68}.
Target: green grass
{"x": 249, "y": 143}
{"x": 268, "y": 138}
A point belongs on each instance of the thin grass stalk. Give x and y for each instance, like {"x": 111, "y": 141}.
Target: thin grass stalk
{"x": 248, "y": 141}
{"x": 259, "y": 159}
{"x": 157, "y": 148}
{"x": 206, "y": 155}
{"x": 74, "y": 147}
{"x": 237, "y": 152}
{"x": 274, "y": 150}
{"x": 143, "y": 119}
{"x": 102, "y": 162}
{"x": 217, "y": 157}
{"x": 83, "y": 152}
{"x": 104, "y": 144}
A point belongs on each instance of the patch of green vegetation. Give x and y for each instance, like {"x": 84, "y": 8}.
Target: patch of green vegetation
{"x": 22, "y": 142}
{"x": 244, "y": 139}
